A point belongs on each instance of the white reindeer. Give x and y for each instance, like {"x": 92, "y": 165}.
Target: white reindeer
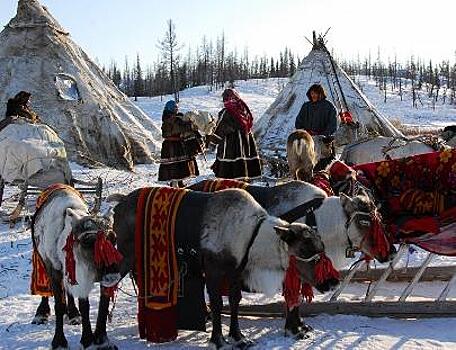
{"x": 65, "y": 235}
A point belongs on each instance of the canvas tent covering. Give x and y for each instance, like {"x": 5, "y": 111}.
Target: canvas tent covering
{"x": 97, "y": 122}
{"x": 32, "y": 153}
{"x": 274, "y": 126}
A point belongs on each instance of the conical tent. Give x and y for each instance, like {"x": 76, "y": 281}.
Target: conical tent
{"x": 97, "y": 122}
{"x": 274, "y": 126}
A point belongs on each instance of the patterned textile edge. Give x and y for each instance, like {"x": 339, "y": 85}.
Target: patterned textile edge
{"x": 420, "y": 192}
{"x": 40, "y": 282}
{"x": 223, "y": 184}
{"x": 157, "y": 269}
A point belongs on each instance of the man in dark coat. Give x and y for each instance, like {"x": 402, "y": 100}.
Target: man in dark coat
{"x": 318, "y": 116}
{"x": 18, "y": 107}
{"x": 237, "y": 155}
{"x": 178, "y": 153}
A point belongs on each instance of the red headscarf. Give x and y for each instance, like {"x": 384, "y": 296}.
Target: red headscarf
{"x": 238, "y": 109}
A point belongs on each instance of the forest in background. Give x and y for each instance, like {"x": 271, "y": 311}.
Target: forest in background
{"x": 213, "y": 64}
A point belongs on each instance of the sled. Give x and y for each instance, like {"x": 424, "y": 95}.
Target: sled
{"x": 438, "y": 306}
{"x": 91, "y": 190}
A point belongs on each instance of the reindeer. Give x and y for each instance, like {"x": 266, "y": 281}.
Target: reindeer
{"x": 238, "y": 239}
{"x": 344, "y": 224}
{"x": 306, "y": 153}
{"x": 204, "y": 121}
{"x": 73, "y": 246}
{"x": 301, "y": 155}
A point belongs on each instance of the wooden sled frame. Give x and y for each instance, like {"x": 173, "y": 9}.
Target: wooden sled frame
{"x": 94, "y": 189}
{"x": 401, "y": 308}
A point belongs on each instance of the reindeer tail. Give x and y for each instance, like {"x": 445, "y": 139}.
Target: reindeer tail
{"x": 299, "y": 146}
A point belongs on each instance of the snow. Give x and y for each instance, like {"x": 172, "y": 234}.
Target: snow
{"x": 426, "y": 113}
{"x": 17, "y": 306}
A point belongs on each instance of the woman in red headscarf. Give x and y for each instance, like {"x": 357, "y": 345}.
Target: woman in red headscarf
{"x": 237, "y": 155}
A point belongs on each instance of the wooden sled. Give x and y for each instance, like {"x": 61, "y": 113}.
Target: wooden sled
{"x": 439, "y": 306}
{"x": 30, "y": 193}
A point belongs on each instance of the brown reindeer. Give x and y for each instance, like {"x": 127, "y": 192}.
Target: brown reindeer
{"x": 301, "y": 155}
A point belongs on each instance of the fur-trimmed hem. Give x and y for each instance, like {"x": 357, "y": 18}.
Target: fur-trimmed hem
{"x": 175, "y": 160}
{"x": 227, "y": 160}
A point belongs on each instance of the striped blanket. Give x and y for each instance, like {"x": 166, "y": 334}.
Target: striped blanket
{"x": 157, "y": 267}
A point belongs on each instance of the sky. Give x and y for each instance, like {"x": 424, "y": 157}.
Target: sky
{"x": 112, "y": 29}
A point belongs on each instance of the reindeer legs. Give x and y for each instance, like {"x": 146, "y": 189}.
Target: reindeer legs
{"x": 213, "y": 282}
{"x": 101, "y": 337}
{"x": 2, "y": 188}
{"x": 294, "y": 326}
{"x": 74, "y": 317}
{"x": 59, "y": 341}
{"x": 241, "y": 342}
{"x": 87, "y": 335}
{"x": 42, "y": 312}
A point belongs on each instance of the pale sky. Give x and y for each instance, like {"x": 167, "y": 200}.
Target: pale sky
{"x": 111, "y": 29}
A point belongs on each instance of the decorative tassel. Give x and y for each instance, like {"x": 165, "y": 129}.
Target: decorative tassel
{"x": 105, "y": 254}
{"x": 292, "y": 285}
{"x": 381, "y": 243}
{"x": 307, "y": 292}
{"x": 70, "y": 264}
{"x": 109, "y": 292}
{"x": 324, "y": 270}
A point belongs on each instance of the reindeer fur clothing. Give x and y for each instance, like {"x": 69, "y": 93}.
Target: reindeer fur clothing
{"x": 237, "y": 155}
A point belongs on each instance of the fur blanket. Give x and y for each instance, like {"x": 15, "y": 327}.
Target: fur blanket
{"x": 32, "y": 152}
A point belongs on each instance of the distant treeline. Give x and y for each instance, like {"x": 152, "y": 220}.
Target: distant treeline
{"x": 209, "y": 63}
{"x": 437, "y": 80}
{"x": 214, "y": 64}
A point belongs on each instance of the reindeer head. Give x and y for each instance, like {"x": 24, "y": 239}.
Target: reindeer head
{"x": 93, "y": 252}
{"x": 323, "y": 147}
{"x": 364, "y": 228}
{"x": 308, "y": 249}
{"x": 204, "y": 121}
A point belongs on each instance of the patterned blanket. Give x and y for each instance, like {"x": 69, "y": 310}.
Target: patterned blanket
{"x": 40, "y": 281}
{"x": 222, "y": 184}
{"x": 419, "y": 196}
{"x": 157, "y": 268}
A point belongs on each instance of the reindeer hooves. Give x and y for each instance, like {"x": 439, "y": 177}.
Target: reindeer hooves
{"x": 244, "y": 343}
{"x": 303, "y": 332}
{"x": 73, "y": 321}
{"x": 40, "y": 319}
{"x": 102, "y": 343}
{"x": 107, "y": 346}
{"x": 59, "y": 343}
{"x": 220, "y": 343}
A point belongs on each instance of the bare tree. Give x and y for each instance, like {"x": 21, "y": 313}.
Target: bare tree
{"x": 170, "y": 48}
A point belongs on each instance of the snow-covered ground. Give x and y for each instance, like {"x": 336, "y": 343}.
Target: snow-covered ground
{"x": 426, "y": 113}
{"x": 17, "y": 306}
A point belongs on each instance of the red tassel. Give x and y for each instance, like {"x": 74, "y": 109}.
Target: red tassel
{"x": 381, "y": 243}
{"x": 307, "y": 292}
{"x": 292, "y": 285}
{"x": 105, "y": 254}
{"x": 325, "y": 270}
{"x": 70, "y": 264}
{"x": 110, "y": 292}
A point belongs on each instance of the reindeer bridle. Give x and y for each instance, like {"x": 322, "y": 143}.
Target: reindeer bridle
{"x": 365, "y": 222}
{"x": 314, "y": 258}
